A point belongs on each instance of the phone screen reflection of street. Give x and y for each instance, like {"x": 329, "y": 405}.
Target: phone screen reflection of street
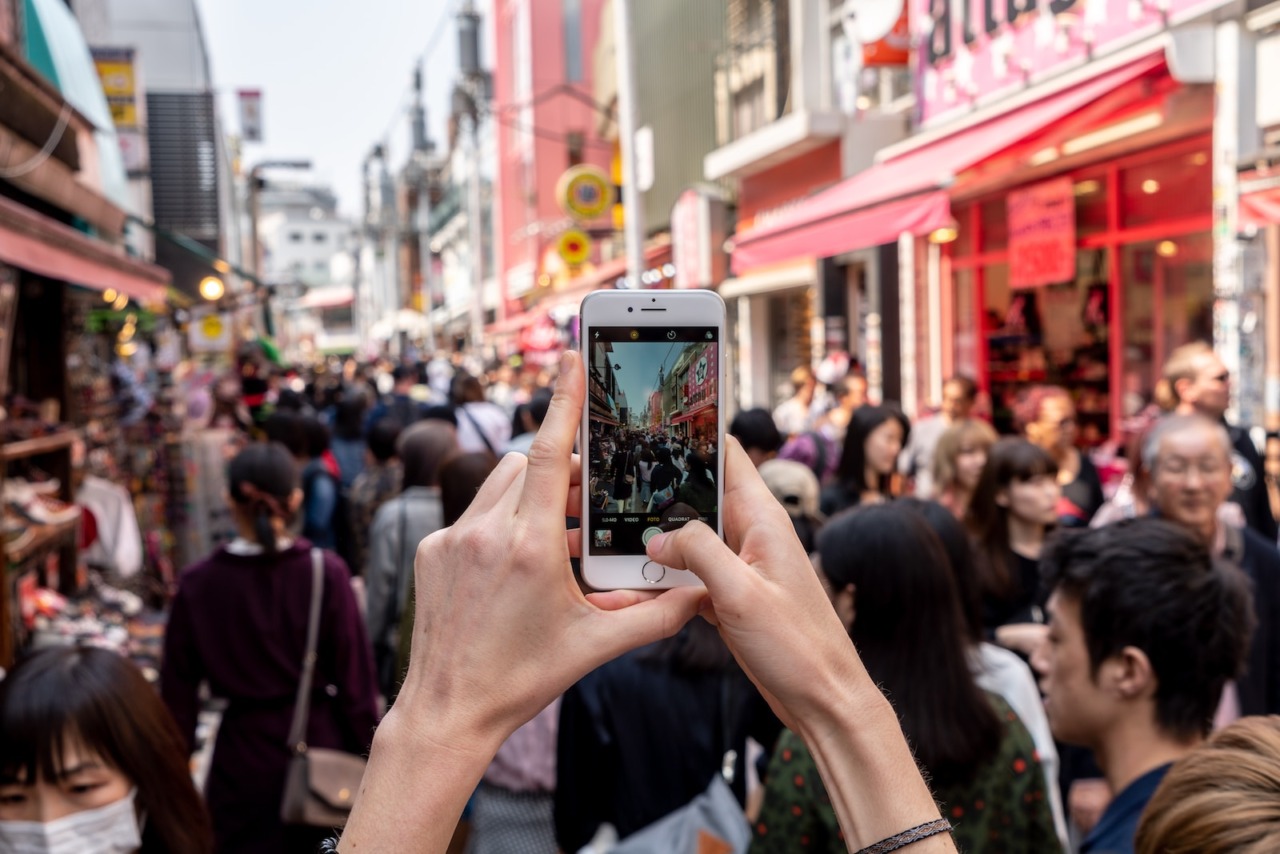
{"x": 652, "y": 447}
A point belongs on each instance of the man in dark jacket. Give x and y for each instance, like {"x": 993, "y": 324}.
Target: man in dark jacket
{"x": 1190, "y": 460}
{"x": 1201, "y": 384}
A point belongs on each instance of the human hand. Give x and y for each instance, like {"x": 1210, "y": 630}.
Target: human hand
{"x": 501, "y": 626}
{"x": 766, "y": 598}
{"x": 1022, "y": 637}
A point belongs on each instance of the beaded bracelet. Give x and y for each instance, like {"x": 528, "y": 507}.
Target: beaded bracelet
{"x": 906, "y": 837}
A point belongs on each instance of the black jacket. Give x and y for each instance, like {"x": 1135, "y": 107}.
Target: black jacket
{"x": 1259, "y": 689}
{"x": 638, "y": 740}
{"x": 1247, "y": 475}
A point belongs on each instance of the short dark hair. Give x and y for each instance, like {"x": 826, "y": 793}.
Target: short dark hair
{"x": 910, "y": 633}
{"x": 261, "y": 479}
{"x": 539, "y": 404}
{"x": 1148, "y": 583}
{"x": 968, "y": 387}
{"x": 400, "y": 373}
{"x": 461, "y": 477}
{"x": 755, "y": 428}
{"x": 318, "y": 436}
{"x": 286, "y": 427}
{"x": 382, "y": 439}
{"x": 102, "y": 701}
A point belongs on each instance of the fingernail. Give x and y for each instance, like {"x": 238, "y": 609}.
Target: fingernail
{"x": 655, "y": 545}
{"x": 566, "y": 359}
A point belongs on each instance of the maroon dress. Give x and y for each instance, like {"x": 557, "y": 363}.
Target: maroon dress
{"x": 240, "y": 622}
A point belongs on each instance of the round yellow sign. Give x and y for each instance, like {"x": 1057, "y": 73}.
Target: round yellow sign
{"x": 211, "y": 325}
{"x": 574, "y": 247}
{"x": 584, "y": 192}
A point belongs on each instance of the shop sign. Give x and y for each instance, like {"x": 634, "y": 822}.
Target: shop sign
{"x": 250, "y": 114}
{"x": 1042, "y": 234}
{"x": 119, "y": 83}
{"x": 972, "y": 50}
{"x": 698, "y": 231}
{"x": 584, "y": 192}
{"x": 210, "y": 333}
{"x": 700, "y": 385}
{"x": 574, "y": 247}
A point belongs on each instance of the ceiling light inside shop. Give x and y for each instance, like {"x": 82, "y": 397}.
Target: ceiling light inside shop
{"x": 1166, "y": 249}
{"x": 1043, "y": 156}
{"x": 1112, "y": 133}
{"x": 946, "y": 234}
{"x": 121, "y": 302}
{"x": 1151, "y": 186}
{"x": 1088, "y": 188}
{"x": 1199, "y": 158}
{"x": 109, "y": 295}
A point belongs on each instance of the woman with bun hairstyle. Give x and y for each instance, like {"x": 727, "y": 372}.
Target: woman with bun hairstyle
{"x": 90, "y": 760}
{"x": 239, "y": 623}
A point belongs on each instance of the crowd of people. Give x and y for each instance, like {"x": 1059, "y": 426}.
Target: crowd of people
{"x": 913, "y": 635}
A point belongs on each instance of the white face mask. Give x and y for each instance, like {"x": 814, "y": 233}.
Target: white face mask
{"x": 112, "y": 829}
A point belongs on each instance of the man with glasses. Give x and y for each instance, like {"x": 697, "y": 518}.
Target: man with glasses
{"x": 1190, "y": 461}
{"x": 1199, "y": 383}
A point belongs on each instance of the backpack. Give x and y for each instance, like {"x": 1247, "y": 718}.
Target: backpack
{"x": 344, "y": 540}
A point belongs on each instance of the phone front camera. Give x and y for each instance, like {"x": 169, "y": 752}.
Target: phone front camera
{"x": 630, "y": 308}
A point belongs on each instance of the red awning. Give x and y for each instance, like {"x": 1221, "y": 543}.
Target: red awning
{"x": 1261, "y": 208}
{"x": 45, "y": 247}
{"x": 904, "y": 194}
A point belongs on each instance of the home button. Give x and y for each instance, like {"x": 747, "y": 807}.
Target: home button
{"x": 652, "y": 572}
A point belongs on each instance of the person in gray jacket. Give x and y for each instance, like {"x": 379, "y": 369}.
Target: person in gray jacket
{"x": 398, "y": 527}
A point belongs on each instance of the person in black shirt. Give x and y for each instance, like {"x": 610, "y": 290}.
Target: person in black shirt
{"x": 1013, "y": 508}
{"x": 1197, "y": 382}
{"x": 1047, "y": 416}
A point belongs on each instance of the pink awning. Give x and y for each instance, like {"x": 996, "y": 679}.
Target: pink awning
{"x": 1261, "y": 208}
{"x": 48, "y": 248}
{"x": 903, "y": 194}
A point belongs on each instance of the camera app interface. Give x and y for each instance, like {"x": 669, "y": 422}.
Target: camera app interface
{"x": 654, "y": 397}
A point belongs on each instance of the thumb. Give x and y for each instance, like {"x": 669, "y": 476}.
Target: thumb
{"x": 700, "y": 550}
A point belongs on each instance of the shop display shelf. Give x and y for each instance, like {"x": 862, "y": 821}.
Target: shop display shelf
{"x": 43, "y": 537}
{"x": 40, "y": 445}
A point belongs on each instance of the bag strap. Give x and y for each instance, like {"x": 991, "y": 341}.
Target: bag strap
{"x": 729, "y": 759}
{"x": 302, "y": 705}
{"x": 483, "y": 437}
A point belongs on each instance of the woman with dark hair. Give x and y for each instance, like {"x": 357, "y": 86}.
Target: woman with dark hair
{"x": 482, "y": 426}
{"x": 908, "y": 628}
{"x": 663, "y": 481}
{"x": 1046, "y": 415}
{"x": 239, "y": 624}
{"x": 699, "y": 487}
{"x": 871, "y": 446}
{"x": 995, "y": 668}
{"x": 90, "y": 759}
{"x": 1013, "y": 509}
{"x": 321, "y": 485}
{"x": 348, "y": 437}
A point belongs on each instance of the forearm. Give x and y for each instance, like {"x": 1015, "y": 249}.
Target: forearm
{"x": 420, "y": 774}
{"x": 869, "y": 771}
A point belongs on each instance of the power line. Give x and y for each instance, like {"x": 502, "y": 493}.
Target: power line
{"x": 432, "y": 43}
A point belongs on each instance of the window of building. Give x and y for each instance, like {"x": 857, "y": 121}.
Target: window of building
{"x": 319, "y": 237}
{"x": 573, "y": 41}
{"x": 295, "y": 237}
{"x": 577, "y": 144}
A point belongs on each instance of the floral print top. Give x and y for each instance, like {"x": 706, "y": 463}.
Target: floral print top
{"x": 1003, "y": 810}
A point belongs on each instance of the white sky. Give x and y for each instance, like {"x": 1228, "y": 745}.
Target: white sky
{"x": 332, "y": 75}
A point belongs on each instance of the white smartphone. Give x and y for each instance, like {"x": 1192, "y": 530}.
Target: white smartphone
{"x": 652, "y": 429}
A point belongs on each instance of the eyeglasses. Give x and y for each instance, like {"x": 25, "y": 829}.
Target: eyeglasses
{"x": 1181, "y": 467}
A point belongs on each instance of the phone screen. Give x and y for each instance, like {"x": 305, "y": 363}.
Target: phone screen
{"x": 653, "y": 420}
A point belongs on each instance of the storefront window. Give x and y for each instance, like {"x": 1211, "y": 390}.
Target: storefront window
{"x": 1168, "y": 302}
{"x": 967, "y": 327}
{"x": 995, "y": 225}
{"x": 963, "y": 245}
{"x": 1091, "y": 204}
{"x": 1171, "y": 188}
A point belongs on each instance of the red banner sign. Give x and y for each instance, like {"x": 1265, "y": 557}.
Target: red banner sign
{"x": 700, "y": 386}
{"x": 1042, "y": 234}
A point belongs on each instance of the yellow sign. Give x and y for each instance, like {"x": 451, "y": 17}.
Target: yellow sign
{"x": 119, "y": 83}
{"x": 212, "y": 326}
{"x": 574, "y": 247}
{"x": 584, "y": 192}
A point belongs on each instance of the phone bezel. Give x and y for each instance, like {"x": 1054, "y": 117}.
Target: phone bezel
{"x": 683, "y": 308}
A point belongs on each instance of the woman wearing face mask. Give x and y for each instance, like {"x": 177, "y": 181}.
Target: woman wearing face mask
{"x": 1013, "y": 508}
{"x": 239, "y": 623}
{"x": 91, "y": 762}
{"x": 870, "y": 457}
{"x": 1047, "y": 416}
{"x": 958, "y": 461}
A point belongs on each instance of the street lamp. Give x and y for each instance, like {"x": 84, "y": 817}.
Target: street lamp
{"x": 211, "y": 288}
{"x": 255, "y": 251}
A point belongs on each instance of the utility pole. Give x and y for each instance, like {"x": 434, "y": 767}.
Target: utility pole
{"x": 422, "y": 156}
{"x": 255, "y": 246}
{"x": 633, "y": 225}
{"x": 471, "y": 96}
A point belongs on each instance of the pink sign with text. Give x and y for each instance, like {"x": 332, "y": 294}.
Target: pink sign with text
{"x": 975, "y": 50}
{"x": 1042, "y": 234}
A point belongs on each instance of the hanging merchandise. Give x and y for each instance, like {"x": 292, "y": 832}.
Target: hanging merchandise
{"x": 117, "y": 546}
